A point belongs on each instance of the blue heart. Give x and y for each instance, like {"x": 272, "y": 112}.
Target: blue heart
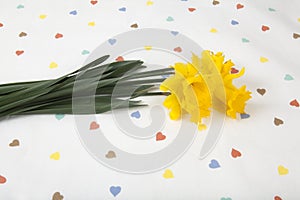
{"x": 85, "y": 52}
{"x": 245, "y": 40}
{"x": 20, "y": 6}
{"x": 245, "y": 115}
{"x": 224, "y": 198}
{"x": 59, "y": 116}
{"x": 233, "y": 22}
{"x": 214, "y": 164}
{"x": 288, "y": 77}
{"x": 112, "y": 41}
{"x": 136, "y": 114}
{"x": 272, "y": 9}
{"x": 170, "y": 19}
{"x": 74, "y": 12}
{"x": 174, "y": 33}
{"x": 123, "y": 9}
{"x": 115, "y": 190}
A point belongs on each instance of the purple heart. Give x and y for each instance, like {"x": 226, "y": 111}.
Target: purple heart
{"x": 136, "y": 114}
{"x": 214, "y": 164}
{"x": 123, "y": 9}
{"x": 74, "y": 12}
{"x": 233, "y": 22}
{"x": 245, "y": 116}
{"x": 112, "y": 41}
{"x": 174, "y": 33}
{"x": 165, "y": 76}
{"x": 115, "y": 190}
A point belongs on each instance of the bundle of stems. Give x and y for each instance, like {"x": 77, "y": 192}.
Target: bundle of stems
{"x": 55, "y": 96}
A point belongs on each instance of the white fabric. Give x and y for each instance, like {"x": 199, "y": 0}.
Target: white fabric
{"x": 30, "y": 172}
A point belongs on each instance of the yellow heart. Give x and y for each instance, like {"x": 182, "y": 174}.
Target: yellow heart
{"x": 282, "y": 170}
{"x": 53, "y": 65}
{"x": 148, "y": 48}
{"x": 43, "y": 16}
{"x": 213, "y": 30}
{"x": 149, "y": 3}
{"x": 298, "y": 19}
{"x": 55, "y": 156}
{"x": 263, "y": 59}
{"x": 168, "y": 174}
{"x": 202, "y": 127}
{"x": 91, "y": 23}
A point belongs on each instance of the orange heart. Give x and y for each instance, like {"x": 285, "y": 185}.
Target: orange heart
{"x": 160, "y": 136}
{"x": 94, "y": 2}
{"x": 2, "y": 179}
{"x": 265, "y": 28}
{"x": 239, "y": 6}
{"x": 277, "y": 198}
{"x": 1, "y": 24}
{"x": 294, "y": 103}
{"x": 235, "y": 153}
{"x": 192, "y": 9}
{"x": 178, "y": 49}
{"x": 94, "y": 125}
{"x": 59, "y": 35}
{"x": 234, "y": 70}
{"x": 119, "y": 58}
{"x": 19, "y": 52}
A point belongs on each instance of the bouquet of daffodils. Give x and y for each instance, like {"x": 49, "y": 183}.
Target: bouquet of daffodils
{"x": 187, "y": 89}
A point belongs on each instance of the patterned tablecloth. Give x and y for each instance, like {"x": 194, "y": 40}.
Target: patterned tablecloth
{"x": 41, "y": 157}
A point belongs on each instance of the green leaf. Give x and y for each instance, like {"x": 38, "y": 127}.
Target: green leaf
{"x": 94, "y": 80}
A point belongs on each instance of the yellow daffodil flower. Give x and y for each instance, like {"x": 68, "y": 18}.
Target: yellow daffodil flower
{"x": 194, "y": 85}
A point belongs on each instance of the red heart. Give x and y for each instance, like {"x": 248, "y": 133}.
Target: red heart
{"x": 277, "y": 198}
{"x": 1, "y": 24}
{"x": 160, "y": 136}
{"x": 294, "y": 103}
{"x": 120, "y": 58}
{"x": 94, "y": 125}
{"x": 178, "y": 49}
{"x": 19, "y": 52}
{"x": 59, "y": 35}
{"x": 234, "y": 70}
{"x": 94, "y": 2}
{"x": 192, "y": 9}
{"x": 239, "y": 6}
{"x": 265, "y": 28}
{"x": 235, "y": 153}
{"x": 2, "y": 179}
